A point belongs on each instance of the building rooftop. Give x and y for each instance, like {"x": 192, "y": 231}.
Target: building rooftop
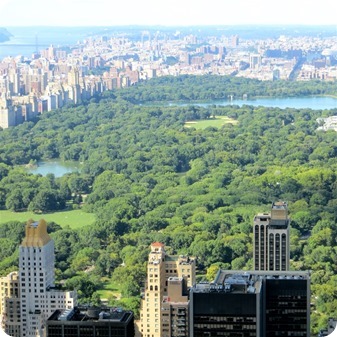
{"x": 36, "y": 234}
{"x": 157, "y": 244}
{"x": 277, "y": 218}
{"x": 232, "y": 282}
{"x": 246, "y": 282}
{"x": 93, "y": 314}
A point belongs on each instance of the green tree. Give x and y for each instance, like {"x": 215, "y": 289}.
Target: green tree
{"x": 46, "y": 200}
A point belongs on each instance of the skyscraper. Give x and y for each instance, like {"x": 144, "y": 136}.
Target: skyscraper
{"x": 271, "y": 239}
{"x": 38, "y": 297}
{"x": 254, "y": 61}
{"x": 74, "y": 76}
{"x": 251, "y": 304}
{"x": 160, "y": 270}
{"x": 74, "y": 85}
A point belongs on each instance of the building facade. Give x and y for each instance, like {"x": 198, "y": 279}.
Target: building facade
{"x": 10, "y": 304}
{"x": 251, "y": 304}
{"x": 228, "y": 307}
{"x": 38, "y": 296}
{"x": 161, "y": 267}
{"x": 93, "y": 322}
{"x": 271, "y": 239}
{"x": 174, "y": 309}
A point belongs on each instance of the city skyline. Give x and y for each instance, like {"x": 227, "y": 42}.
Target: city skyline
{"x": 150, "y": 12}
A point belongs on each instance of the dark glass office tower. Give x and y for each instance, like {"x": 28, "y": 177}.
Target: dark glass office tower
{"x": 251, "y": 304}
{"x": 287, "y": 305}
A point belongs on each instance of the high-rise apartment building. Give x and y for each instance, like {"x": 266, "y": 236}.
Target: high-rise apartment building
{"x": 271, "y": 239}
{"x": 174, "y": 309}
{"x": 10, "y": 304}
{"x": 8, "y": 113}
{"x": 160, "y": 270}
{"x": 14, "y": 81}
{"x": 74, "y": 76}
{"x": 251, "y": 304}
{"x": 38, "y": 296}
{"x": 234, "y": 41}
{"x": 255, "y": 61}
{"x": 74, "y": 85}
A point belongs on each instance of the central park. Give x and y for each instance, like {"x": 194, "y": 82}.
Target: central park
{"x": 187, "y": 175}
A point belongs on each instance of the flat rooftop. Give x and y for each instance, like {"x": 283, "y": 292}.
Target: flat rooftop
{"x": 245, "y": 282}
{"x": 231, "y": 282}
{"x": 84, "y": 314}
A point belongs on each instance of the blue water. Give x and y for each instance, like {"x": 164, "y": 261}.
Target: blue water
{"x": 25, "y": 39}
{"x": 312, "y": 102}
{"x": 56, "y": 167}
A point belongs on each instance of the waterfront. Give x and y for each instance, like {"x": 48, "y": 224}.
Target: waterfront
{"x": 25, "y": 40}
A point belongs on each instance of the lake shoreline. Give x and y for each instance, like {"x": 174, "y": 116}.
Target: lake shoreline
{"x": 56, "y": 166}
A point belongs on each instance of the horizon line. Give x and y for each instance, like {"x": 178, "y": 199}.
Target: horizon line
{"x": 179, "y": 25}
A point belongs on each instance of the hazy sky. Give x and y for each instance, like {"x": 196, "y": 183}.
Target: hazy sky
{"x": 169, "y": 12}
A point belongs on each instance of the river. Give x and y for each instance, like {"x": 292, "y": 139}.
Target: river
{"x": 26, "y": 40}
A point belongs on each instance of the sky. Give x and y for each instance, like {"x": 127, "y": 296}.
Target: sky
{"x": 167, "y": 13}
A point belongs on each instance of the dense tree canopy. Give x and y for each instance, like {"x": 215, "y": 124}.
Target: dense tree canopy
{"x": 148, "y": 178}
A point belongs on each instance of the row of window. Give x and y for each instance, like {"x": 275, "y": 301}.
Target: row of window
{"x": 226, "y": 326}
{"x": 153, "y": 269}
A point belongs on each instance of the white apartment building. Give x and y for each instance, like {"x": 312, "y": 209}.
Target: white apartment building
{"x": 38, "y": 296}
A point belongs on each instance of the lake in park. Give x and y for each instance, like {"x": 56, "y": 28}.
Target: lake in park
{"x": 56, "y": 167}
{"x": 311, "y": 102}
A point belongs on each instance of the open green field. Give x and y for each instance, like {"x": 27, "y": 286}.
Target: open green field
{"x": 74, "y": 218}
{"x": 216, "y": 122}
{"x": 109, "y": 290}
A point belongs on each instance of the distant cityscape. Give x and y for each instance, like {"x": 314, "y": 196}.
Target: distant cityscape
{"x": 57, "y": 76}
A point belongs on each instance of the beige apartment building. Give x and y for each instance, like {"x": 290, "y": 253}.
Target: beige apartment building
{"x": 165, "y": 294}
{"x": 10, "y": 304}
{"x": 174, "y": 309}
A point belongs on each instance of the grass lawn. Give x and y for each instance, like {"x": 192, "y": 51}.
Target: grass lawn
{"x": 216, "y": 122}
{"x": 109, "y": 289}
{"x": 74, "y": 218}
